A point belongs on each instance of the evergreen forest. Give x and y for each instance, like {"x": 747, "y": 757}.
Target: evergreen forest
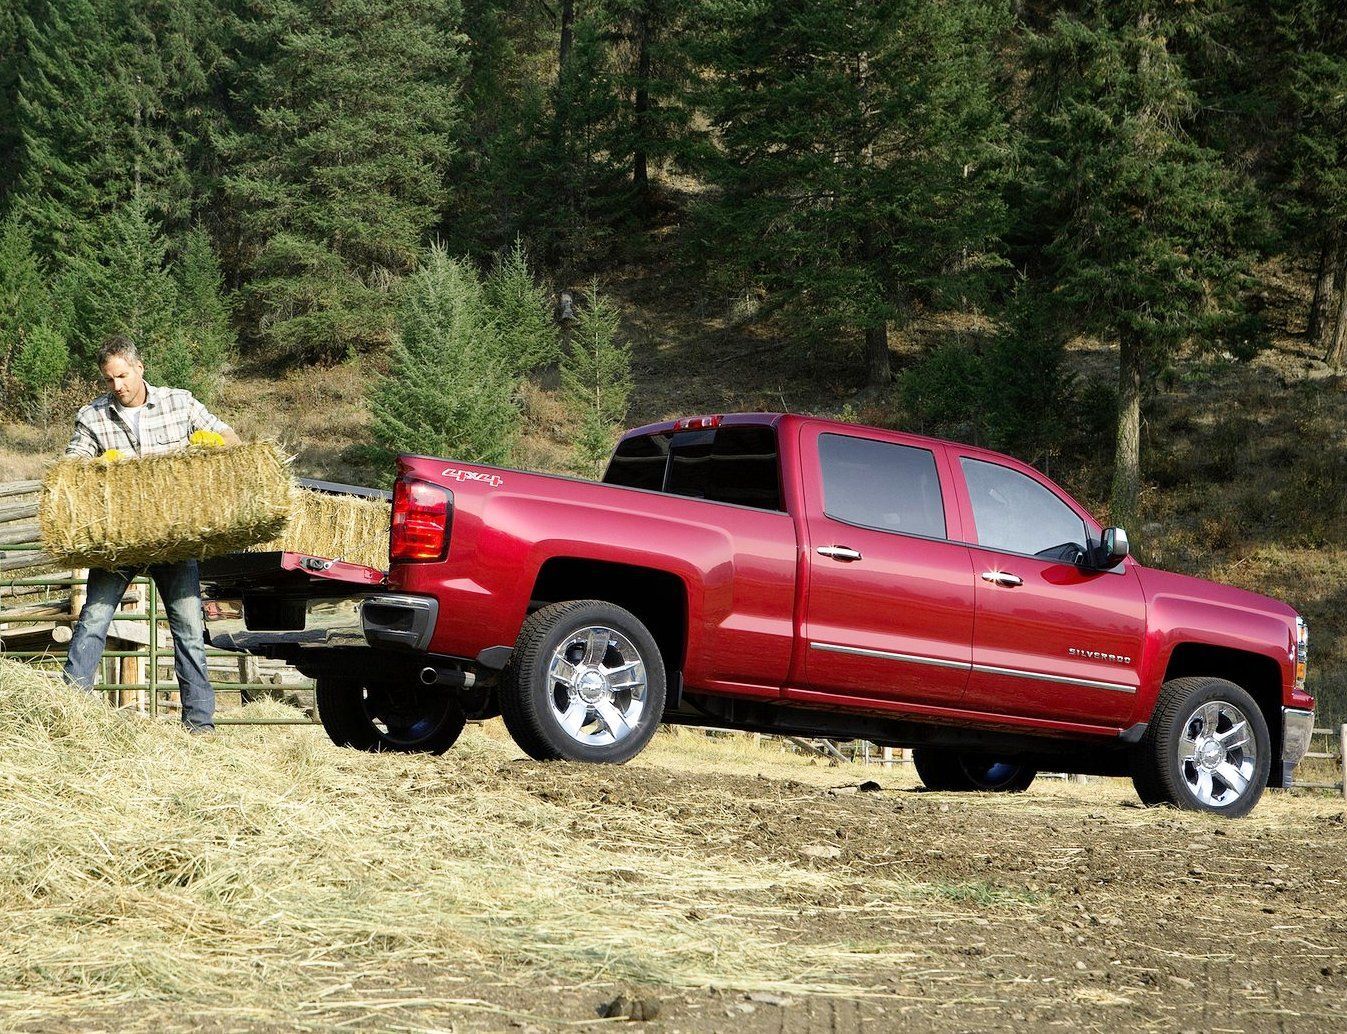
{"x": 293, "y": 182}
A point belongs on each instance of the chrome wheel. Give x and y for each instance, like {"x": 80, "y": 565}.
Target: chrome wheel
{"x": 1217, "y": 753}
{"x": 598, "y": 686}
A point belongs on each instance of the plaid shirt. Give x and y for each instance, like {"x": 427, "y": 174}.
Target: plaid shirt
{"x": 169, "y": 416}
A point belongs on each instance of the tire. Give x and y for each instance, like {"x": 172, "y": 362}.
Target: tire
{"x": 383, "y": 716}
{"x": 942, "y": 769}
{"x": 1206, "y": 737}
{"x": 585, "y": 682}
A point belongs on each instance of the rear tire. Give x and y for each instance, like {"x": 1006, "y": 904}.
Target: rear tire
{"x": 585, "y": 682}
{"x": 383, "y": 716}
{"x": 1207, "y": 748}
{"x": 943, "y": 769}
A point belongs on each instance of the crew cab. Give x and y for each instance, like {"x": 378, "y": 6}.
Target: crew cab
{"x": 784, "y": 574}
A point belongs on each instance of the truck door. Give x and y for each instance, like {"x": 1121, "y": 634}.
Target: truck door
{"x": 1051, "y": 639}
{"x": 889, "y": 605}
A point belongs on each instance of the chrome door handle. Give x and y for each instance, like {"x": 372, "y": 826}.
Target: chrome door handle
{"x": 842, "y": 553}
{"x": 1002, "y": 578}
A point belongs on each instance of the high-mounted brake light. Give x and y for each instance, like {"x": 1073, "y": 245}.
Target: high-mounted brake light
{"x": 421, "y": 513}
{"x": 697, "y": 423}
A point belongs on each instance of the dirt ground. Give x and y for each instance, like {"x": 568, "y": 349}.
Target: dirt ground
{"x": 1066, "y": 907}
{"x": 263, "y": 879}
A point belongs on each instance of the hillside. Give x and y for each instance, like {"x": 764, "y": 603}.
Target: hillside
{"x": 1246, "y": 463}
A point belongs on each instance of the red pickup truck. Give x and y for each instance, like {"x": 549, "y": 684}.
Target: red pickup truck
{"x": 788, "y": 575}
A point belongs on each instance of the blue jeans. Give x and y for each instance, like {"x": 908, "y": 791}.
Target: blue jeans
{"x": 180, "y": 593}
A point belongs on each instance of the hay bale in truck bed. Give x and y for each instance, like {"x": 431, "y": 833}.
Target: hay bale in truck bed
{"x": 161, "y": 509}
{"x": 336, "y": 527}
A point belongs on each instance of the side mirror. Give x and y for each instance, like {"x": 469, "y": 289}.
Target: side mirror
{"x": 1112, "y": 550}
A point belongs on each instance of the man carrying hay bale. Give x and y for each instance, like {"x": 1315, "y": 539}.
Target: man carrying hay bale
{"x": 137, "y": 418}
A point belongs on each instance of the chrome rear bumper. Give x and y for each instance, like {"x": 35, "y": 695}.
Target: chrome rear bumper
{"x": 385, "y": 620}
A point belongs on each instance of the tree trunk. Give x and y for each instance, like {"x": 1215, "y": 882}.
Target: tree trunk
{"x": 639, "y": 173}
{"x": 1337, "y": 347}
{"x": 1127, "y": 455}
{"x": 878, "y": 371}
{"x": 1319, "y": 323}
{"x": 567, "y": 31}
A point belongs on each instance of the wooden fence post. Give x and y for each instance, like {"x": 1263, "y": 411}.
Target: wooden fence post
{"x": 1342, "y": 759}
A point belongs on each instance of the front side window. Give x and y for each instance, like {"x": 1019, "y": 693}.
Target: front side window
{"x": 881, "y": 485}
{"x": 1016, "y": 514}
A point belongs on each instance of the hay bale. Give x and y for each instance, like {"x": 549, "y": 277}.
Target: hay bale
{"x": 336, "y": 527}
{"x": 162, "y": 509}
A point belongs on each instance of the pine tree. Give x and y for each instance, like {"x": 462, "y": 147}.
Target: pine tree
{"x": 588, "y": 110}
{"x": 500, "y": 171}
{"x": 24, "y": 299}
{"x": 345, "y": 114}
{"x": 105, "y": 96}
{"x": 448, "y": 391}
{"x": 1145, "y": 224}
{"x": 854, "y": 149}
{"x": 126, "y": 287}
{"x": 596, "y": 382}
{"x": 158, "y": 87}
{"x": 521, "y": 309}
{"x": 655, "y": 77}
{"x": 64, "y": 115}
{"x": 1307, "y": 79}
{"x": 206, "y": 337}
{"x": 11, "y": 42}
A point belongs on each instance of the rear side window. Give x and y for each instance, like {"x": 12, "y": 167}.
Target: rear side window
{"x": 735, "y": 464}
{"x": 640, "y": 462}
{"x": 1016, "y": 514}
{"x": 881, "y": 485}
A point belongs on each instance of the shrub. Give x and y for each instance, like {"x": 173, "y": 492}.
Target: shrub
{"x": 945, "y": 393}
{"x": 40, "y": 365}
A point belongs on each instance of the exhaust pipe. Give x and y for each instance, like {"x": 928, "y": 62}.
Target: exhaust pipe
{"x": 450, "y": 677}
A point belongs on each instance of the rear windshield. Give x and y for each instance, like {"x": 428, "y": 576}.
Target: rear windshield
{"x": 736, "y": 464}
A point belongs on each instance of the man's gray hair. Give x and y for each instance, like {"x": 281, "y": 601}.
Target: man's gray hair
{"x": 118, "y": 344}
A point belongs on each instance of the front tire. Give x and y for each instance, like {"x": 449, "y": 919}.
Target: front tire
{"x": 385, "y": 716}
{"x": 942, "y": 769}
{"x": 1207, "y": 748}
{"x": 585, "y": 682}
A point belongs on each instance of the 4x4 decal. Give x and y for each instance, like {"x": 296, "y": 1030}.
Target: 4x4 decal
{"x": 494, "y": 480}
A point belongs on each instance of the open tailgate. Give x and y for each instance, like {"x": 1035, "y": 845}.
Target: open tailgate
{"x": 279, "y": 604}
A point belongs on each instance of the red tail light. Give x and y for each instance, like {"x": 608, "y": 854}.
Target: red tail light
{"x": 421, "y": 515}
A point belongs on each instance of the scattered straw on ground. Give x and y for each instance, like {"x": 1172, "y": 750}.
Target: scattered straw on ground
{"x": 337, "y": 527}
{"x": 260, "y": 875}
{"x": 264, "y": 879}
{"x": 162, "y": 509}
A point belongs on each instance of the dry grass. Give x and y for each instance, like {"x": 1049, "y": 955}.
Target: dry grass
{"x": 316, "y": 413}
{"x": 337, "y": 527}
{"x": 161, "y": 509}
{"x": 265, "y": 879}
{"x": 260, "y": 877}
